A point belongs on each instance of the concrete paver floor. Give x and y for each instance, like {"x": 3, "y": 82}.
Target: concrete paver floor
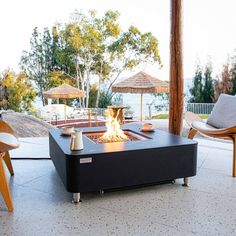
{"x": 207, "y": 207}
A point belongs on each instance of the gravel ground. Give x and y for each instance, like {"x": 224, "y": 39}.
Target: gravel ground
{"x": 26, "y": 125}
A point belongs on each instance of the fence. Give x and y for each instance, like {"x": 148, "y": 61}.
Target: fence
{"x": 200, "y": 108}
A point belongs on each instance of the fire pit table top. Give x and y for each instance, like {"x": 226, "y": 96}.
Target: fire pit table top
{"x": 156, "y": 139}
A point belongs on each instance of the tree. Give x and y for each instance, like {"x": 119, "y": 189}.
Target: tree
{"x": 19, "y": 92}
{"x": 110, "y": 29}
{"x": 93, "y": 95}
{"x": 87, "y": 37}
{"x": 99, "y": 48}
{"x": 208, "y": 86}
{"x": 105, "y": 99}
{"x": 88, "y": 47}
{"x": 196, "y": 90}
{"x": 130, "y": 50}
{"x": 3, "y": 96}
{"x": 225, "y": 83}
{"x": 203, "y": 85}
{"x": 40, "y": 60}
{"x": 57, "y": 78}
{"x": 233, "y": 74}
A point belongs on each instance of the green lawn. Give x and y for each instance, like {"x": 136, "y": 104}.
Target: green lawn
{"x": 160, "y": 116}
{"x": 166, "y": 116}
{"x": 203, "y": 116}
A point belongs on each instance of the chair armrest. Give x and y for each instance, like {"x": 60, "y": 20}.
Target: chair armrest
{"x": 190, "y": 117}
{"x": 8, "y": 142}
{"x": 5, "y": 127}
{"x": 209, "y": 130}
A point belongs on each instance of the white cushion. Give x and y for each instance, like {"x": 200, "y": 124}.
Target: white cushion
{"x": 223, "y": 114}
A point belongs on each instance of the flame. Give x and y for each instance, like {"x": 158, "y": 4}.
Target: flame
{"x": 114, "y": 133}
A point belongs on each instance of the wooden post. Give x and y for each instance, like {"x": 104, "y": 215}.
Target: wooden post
{"x": 176, "y": 69}
{"x": 89, "y": 117}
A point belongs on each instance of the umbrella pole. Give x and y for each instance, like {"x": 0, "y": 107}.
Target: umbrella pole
{"x": 65, "y": 110}
{"x": 141, "y": 108}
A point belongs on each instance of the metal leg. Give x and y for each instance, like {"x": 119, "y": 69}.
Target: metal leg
{"x": 76, "y": 198}
{"x": 101, "y": 192}
{"x": 186, "y": 182}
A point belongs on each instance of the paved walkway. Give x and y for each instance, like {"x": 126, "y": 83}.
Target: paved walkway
{"x": 43, "y": 207}
{"x": 37, "y": 147}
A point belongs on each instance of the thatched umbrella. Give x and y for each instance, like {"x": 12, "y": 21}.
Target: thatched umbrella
{"x": 64, "y": 91}
{"x": 141, "y": 83}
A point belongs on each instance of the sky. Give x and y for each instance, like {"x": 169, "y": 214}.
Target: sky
{"x": 208, "y": 30}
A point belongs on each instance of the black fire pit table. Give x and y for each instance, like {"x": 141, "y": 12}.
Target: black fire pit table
{"x": 150, "y": 158}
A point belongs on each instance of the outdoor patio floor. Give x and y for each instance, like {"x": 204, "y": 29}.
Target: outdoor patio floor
{"x": 207, "y": 207}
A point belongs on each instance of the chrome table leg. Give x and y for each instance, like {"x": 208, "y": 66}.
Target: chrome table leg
{"x": 76, "y": 198}
{"x": 186, "y": 182}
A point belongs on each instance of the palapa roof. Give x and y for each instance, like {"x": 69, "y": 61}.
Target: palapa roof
{"x": 141, "y": 83}
{"x": 64, "y": 91}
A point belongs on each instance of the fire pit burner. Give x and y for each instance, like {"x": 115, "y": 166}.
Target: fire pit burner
{"x": 96, "y": 136}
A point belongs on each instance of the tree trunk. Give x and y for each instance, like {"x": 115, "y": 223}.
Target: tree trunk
{"x": 98, "y": 94}
{"x": 99, "y": 85}
{"x": 82, "y": 88}
{"x": 87, "y": 87}
{"x": 176, "y": 69}
{"x": 42, "y": 97}
{"x": 83, "y": 98}
{"x": 77, "y": 79}
{"x": 117, "y": 76}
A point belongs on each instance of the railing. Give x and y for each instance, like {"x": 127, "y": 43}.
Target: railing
{"x": 80, "y": 113}
{"x": 84, "y": 112}
{"x": 200, "y": 108}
